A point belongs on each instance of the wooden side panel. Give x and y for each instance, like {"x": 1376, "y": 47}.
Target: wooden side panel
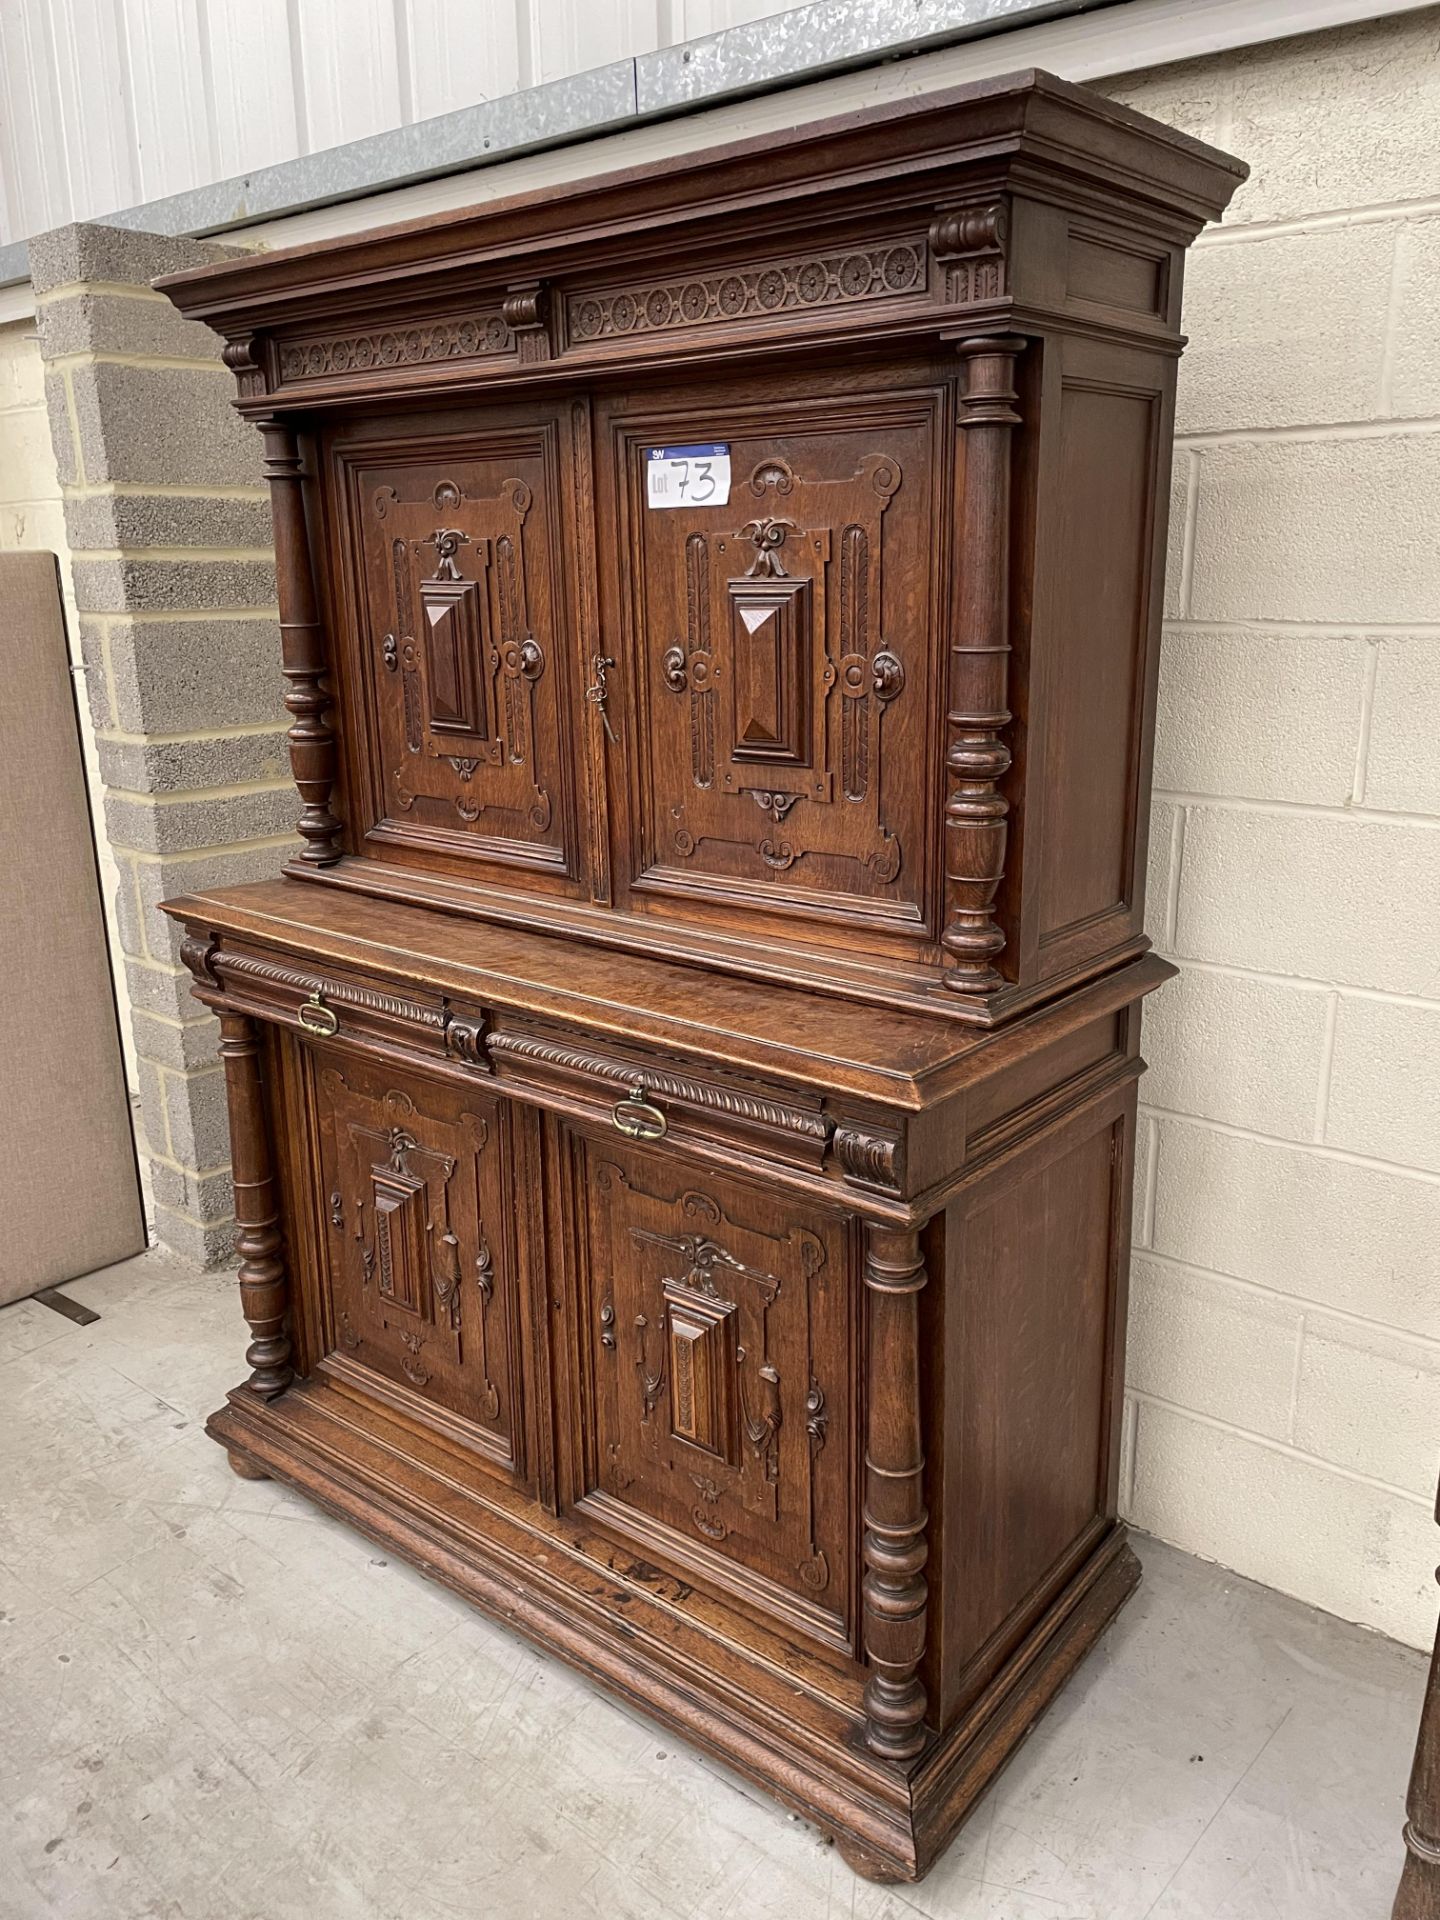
{"x": 1026, "y": 1361}
{"x": 1105, "y": 438}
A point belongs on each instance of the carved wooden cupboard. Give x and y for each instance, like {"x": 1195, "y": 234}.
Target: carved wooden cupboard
{"x": 682, "y": 1089}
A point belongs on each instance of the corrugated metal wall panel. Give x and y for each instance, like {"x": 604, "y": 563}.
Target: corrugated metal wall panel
{"x": 108, "y": 103}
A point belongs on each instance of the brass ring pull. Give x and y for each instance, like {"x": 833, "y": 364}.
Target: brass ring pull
{"x": 637, "y": 1117}
{"x": 315, "y": 1017}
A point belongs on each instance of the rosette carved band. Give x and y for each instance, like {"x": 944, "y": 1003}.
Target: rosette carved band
{"x": 977, "y": 756}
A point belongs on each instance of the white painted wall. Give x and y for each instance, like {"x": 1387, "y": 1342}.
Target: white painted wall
{"x": 1284, "y": 1408}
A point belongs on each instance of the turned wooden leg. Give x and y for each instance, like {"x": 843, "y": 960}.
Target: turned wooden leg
{"x": 1419, "y": 1894}
{"x": 895, "y": 1547}
{"x": 264, "y": 1283}
{"x": 246, "y": 1469}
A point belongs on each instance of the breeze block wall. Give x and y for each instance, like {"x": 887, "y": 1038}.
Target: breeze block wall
{"x": 1284, "y": 1375}
{"x": 168, "y": 524}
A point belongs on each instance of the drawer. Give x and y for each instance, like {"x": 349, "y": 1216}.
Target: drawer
{"x": 325, "y": 1002}
{"x": 639, "y": 1098}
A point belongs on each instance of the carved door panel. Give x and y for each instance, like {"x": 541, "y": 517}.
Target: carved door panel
{"x": 421, "y": 1294}
{"x": 718, "y": 1329}
{"x": 783, "y": 651}
{"x": 464, "y": 665}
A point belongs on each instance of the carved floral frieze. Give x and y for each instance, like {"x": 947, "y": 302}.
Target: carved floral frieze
{"x": 775, "y": 286}
{"x": 470, "y": 336}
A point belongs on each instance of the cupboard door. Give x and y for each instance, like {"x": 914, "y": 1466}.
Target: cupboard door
{"x": 781, "y": 647}
{"x": 420, "y": 1297}
{"x": 462, "y": 663}
{"x": 716, "y": 1328}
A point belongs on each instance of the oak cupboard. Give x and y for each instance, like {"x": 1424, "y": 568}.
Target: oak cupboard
{"x": 682, "y": 1089}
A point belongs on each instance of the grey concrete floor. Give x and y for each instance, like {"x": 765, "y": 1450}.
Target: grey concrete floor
{"x": 216, "y": 1704}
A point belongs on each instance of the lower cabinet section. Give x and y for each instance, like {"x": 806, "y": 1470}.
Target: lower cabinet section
{"x": 820, "y": 1472}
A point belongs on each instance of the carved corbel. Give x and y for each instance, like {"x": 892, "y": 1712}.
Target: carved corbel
{"x": 867, "y": 1158}
{"x": 526, "y": 312}
{"x": 239, "y": 354}
{"x": 969, "y": 245}
{"x": 465, "y": 1039}
{"x": 197, "y": 952}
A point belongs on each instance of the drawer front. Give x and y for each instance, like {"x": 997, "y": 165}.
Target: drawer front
{"x": 715, "y": 1324}
{"x": 419, "y": 1296}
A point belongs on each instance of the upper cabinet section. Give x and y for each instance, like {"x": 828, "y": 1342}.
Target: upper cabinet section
{"x": 754, "y": 559}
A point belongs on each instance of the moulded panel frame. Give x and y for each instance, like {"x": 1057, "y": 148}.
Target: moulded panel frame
{"x": 485, "y": 430}
{"x": 572, "y": 1149}
{"x": 879, "y": 387}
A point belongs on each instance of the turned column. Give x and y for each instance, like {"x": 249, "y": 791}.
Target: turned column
{"x": 977, "y": 757}
{"x": 1418, "y": 1897}
{"x": 264, "y": 1282}
{"x": 895, "y": 1547}
{"x": 307, "y": 698}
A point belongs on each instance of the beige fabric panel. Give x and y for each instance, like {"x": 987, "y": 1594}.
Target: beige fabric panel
{"x": 69, "y": 1192}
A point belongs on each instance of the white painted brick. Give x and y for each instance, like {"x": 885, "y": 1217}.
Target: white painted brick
{"x": 1343, "y": 1545}
{"x": 1318, "y": 530}
{"x": 1285, "y": 332}
{"x": 1243, "y": 1051}
{"x": 1175, "y": 536}
{"x": 1261, "y": 716}
{"x": 27, "y": 461}
{"x": 1369, "y": 1401}
{"x": 1415, "y": 353}
{"x": 1192, "y": 95}
{"x": 1385, "y": 1081}
{"x": 1362, "y": 1239}
{"x": 1333, "y": 120}
{"x": 1402, "y": 763}
{"x": 1356, "y": 902}
{"x": 34, "y": 527}
{"x": 1159, "y": 868}
{"x": 1213, "y": 1347}
{"x": 22, "y": 375}
{"x": 1144, "y": 1155}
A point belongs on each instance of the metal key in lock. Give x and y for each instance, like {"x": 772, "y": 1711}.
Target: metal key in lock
{"x": 599, "y": 692}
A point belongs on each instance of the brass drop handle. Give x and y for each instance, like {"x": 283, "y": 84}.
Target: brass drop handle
{"x": 315, "y": 1017}
{"x": 638, "y": 1118}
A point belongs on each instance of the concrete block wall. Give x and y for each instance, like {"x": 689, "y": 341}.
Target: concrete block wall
{"x": 1283, "y": 1410}
{"x": 168, "y": 525}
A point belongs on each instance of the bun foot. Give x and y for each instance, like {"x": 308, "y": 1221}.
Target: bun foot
{"x": 884, "y": 1873}
{"x": 246, "y": 1469}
